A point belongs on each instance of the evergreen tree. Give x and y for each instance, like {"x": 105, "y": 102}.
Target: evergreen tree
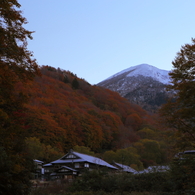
{"x": 75, "y": 84}
{"x": 16, "y": 66}
{"x": 179, "y": 112}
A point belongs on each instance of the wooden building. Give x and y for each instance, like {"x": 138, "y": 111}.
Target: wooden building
{"x": 74, "y": 164}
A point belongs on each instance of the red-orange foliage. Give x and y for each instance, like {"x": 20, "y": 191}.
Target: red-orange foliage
{"x": 90, "y": 116}
{"x": 134, "y": 121}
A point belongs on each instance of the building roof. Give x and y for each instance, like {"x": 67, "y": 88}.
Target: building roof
{"x": 38, "y": 161}
{"x": 69, "y": 168}
{"x": 79, "y": 157}
{"x": 57, "y": 172}
{"x": 153, "y": 169}
{"x": 125, "y": 168}
{"x": 181, "y": 154}
{"x": 47, "y": 165}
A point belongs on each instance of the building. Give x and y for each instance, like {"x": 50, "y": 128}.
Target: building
{"x": 154, "y": 169}
{"x": 184, "y": 154}
{"x": 124, "y": 168}
{"x": 74, "y": 164}
{"x": 38, "y": 169}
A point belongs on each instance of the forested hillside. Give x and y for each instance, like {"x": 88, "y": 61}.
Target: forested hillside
{"x": 65, "y": 111}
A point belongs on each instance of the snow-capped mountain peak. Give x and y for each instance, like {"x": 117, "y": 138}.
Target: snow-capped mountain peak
{"x": 143, "y": 84}
{"x": 146, "y": 71}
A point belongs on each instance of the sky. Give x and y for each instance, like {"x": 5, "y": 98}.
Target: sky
{"x": 96, "y": 39}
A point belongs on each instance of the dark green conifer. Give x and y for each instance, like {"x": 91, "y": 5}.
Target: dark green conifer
{"x": 75, "y": 84}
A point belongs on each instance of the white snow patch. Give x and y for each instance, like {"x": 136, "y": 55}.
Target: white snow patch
{"x": 147, "y": 71}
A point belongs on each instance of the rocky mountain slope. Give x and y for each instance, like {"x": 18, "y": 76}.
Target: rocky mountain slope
{"x": 143, "y": 84}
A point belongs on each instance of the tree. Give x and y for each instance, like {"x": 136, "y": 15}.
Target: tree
{"x": 127, "y": 156}
{"x": 134, "y": 121}
{"x": 147, "y": 133}
{"x": 150, "y": 151}
{"x": 182, "y": 175}
{"x": 75, "y": 84}
{"x": 83, "y": 149}
{"x": 16, "y": 66}
{"x": 179, "y": 112}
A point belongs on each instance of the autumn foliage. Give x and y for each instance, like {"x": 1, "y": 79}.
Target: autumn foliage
{"x": 17, "y": 70}
{"x": 61, "y": 114}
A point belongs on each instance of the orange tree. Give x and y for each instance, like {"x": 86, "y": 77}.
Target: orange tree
{"x": 16, "y": 67}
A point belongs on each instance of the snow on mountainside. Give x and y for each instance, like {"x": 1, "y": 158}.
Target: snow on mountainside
{"x": 147, "y": 71}
{"x": 143, "y": 84}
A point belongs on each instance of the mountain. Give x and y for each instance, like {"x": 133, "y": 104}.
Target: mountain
{"x": 143, "y": 84}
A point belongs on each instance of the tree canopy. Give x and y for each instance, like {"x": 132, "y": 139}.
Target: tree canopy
{"x": 179, "y": 112}
{"x": 16, "y": 66}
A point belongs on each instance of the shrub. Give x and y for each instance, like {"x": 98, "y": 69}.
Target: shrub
{"x": 182, "y": 175}
{"x": 124, "y": 182}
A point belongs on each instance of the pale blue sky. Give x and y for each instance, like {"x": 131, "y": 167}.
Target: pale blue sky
{"x": 95, "y": 39}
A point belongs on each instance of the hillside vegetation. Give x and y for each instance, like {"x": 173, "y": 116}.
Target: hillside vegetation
{"x": 65, "y": 111}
